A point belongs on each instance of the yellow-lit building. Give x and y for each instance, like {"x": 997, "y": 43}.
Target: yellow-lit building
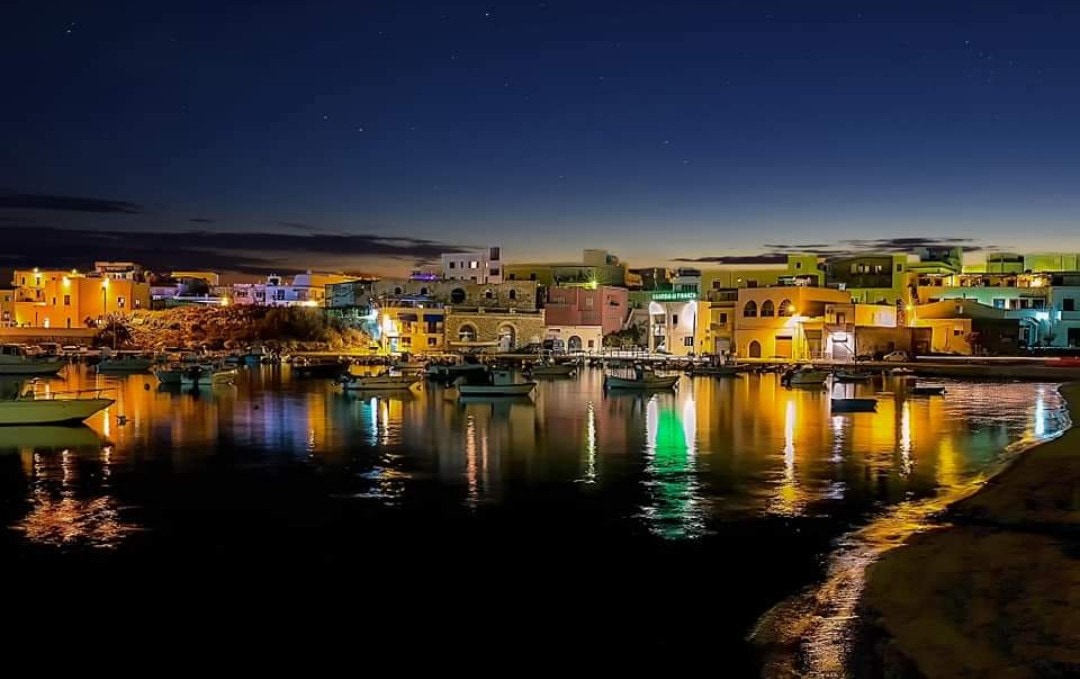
{"x": 411, "y": 330}
{"x": 69, "y": 299}
{"x": 769, "y": 322}
{"x": 753, "y": 273}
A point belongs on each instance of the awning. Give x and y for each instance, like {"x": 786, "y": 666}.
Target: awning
{"x": 433, "y": 318}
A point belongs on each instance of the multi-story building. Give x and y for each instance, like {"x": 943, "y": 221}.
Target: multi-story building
{"x": 69, "y": 299}
{"x": 482, "y": 265}
{"x": 871, "y": 279}
{"x": 411, "y": 326}
{"x": 966, "y": 326}
{"x": 753, "y": 272}
{"x": 306, "y": 289}
{"x": 579, "y": 318}
{"x": 783, "y": 321}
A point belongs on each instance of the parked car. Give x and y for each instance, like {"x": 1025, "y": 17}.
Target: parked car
{"x": 895, "y": 357}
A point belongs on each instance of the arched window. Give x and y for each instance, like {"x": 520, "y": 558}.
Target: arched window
{"x": 423, "y": 292}
{"x": 767, "y": 308}
{"x": 467, "y": 333}
{"x": 786, "y": 308}
{"x": 750, "y": 310}
{"x": 512, "y": 294}
{"x": 488, "y": 294}
{"x": 457, "y": 296}
{"x": 754, "y": 349}
{"x": 397, "y": 291}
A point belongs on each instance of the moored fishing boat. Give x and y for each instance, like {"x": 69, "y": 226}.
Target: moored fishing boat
{"x": 642, "y": 379}
{"x": 205, "y": 375}
{"x": 52, "y": 408}
{"x": 125, "y": 363}
{"x": 551, "y": 369}
{"x": 16, "y": 359}
{"x": 492, "y": 383}
{"x": 385, "y": 382}
{"x": 806, "y": 376}
{"x": 853, "y": 376}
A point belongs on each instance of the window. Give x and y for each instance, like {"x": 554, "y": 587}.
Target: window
{"x": 899, "y": 268}
{"x": 513, "y": 276}
{"x": 494, "y": 271}
{"x": 1068, "y": 304}
{"x": 512, "y": 294}
{"x": 406, "y": 341}
{"x": 452, "y": 264}
{"x": 588, "y": 302}
{"x": 750, "y": 310}
{"x": 23, "y": 281}
{"x": 119, "y": 302}
{"x": 423, "y": 291}
{"x": 474, "y": 264}
{"x": 786, "y": 308}
{"x": 54, "y": 301}
{"x": 688, "y": 342}
{"x": 674, "y": 319}
{"x": 723, "y": 319}
{"x": 999, "y": 303}
{"x": 397, "y": 291}
{"x": 767, "y": 308}
{"x": 69, "y": 322}
{"x": 798, "y": 265}
{"x": 751, "y": 283}
{"x": 457, "y": 296}
{"x": 67, "y": 300}
{"x": 494, "y": 254}
{"x": 532, "y": 277}
{"x": 957, "y": 330}
{"x": 279, "y": 294}
{"x": 433, "y": 328}
{"x": 488, "y": 294}
{"x": 432, "y": 341}
{"x": 592, "y": 344}
{"x": 841, "y": 319}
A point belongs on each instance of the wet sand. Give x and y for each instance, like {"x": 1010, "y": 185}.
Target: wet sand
{"x": 997, "y": 592}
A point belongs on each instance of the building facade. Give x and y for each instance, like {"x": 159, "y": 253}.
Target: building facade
{"x": 67, "y": 299}
{"x": 483, "y": 265}
{"x": 606, "y": 307}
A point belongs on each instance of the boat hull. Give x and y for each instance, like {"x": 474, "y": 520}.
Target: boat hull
{"x": 853, "y": 377}
{"x": 519, "y": 389}
{"x": 552, "y": 371}
{"x": 31, "y": 369}
{"x": 207, "y": 379}
{"x": 51, "y": 411}
{"x": 125, "y": 367}
{"x": 854, "y": 405}
{"x": 654, "y": 383}
{"x": 379, "y": 384}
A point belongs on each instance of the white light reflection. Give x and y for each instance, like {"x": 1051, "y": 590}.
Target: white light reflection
{"x": 906, "y": 462}
{"x": 1040, "y": 412}
{"x": 470, "y": 460}
{"x": 590, "y": 443}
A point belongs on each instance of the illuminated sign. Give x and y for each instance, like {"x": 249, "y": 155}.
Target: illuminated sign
{"x": 670, "y": 296}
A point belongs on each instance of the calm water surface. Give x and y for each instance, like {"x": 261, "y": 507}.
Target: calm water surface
{"x": 631, "y": 516}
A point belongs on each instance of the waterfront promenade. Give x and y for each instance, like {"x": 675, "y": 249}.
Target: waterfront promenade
{"x": 996, "y": 593}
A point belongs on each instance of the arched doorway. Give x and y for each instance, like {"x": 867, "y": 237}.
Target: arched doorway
{"x": 574, "y": 343}
{"x": 507, "y": 337}
{"x": 467, "y": 333}
{"x": 755, "y": 349}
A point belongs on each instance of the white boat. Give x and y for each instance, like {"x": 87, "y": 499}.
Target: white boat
{"x": 205, "y": 375}
{"x": 854, "y": 405}
{"x": 125, "y": 363}
{"x": 804, "y": 377}
{"x": 643, "y": 379}
{"x": 55, "y": 408}
{"x": 493, "y": 383}
{"x": 385, "y": 382}
{"x": 16, "y": 359}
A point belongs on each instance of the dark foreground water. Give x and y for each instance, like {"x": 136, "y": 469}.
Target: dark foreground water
{"x": 570, "y": 522}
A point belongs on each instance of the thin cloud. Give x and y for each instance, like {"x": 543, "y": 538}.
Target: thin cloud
{"x": 242, "y": 252}
{"x": 41, "y": 201}
{"x": 201, "y": 220}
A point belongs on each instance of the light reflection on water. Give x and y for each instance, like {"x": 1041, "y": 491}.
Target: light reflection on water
{"x": 677, "y": 465}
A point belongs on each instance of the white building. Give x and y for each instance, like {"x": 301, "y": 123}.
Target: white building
{"x": 479, "y": 266}
{"x": 119, "y": 271}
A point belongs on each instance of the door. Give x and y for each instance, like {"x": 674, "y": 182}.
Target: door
{"x": 783, "y": 347}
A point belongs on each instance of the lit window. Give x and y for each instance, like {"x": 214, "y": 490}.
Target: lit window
{"x": 474, "y": 264}
{"x": 688, "y": 341}
{"x": 120, "y": 302}
{"x": 67, "y": 300}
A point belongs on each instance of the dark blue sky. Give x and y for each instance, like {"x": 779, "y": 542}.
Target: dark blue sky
{"x": 659, "y": 130}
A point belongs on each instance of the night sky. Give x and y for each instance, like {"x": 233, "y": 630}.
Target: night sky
{"x": 330, "y": 134}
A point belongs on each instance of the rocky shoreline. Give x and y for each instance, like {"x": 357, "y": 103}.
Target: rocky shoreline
{"x": 995, "y": 593}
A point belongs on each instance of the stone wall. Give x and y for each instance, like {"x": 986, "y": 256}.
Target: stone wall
{"x": 507, "y": 295}
{"x": 487, "y": 327}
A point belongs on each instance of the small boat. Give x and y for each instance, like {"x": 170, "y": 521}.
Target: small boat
{"x": 493, "y": 383}
{"x": 804, "y": 377}
{"x": 854, "y": 405}
{"x": 54, "y": 408}
{"x": 853, "y": 376}
{"x": 306, "y": 367}
{"x": 927, "y": 390}
{"x": 901, "y": 372}
{"x": 551, "y": 369}
{"x": 643, "y": 379}
{"x": 170, "y": 374}
{"x": 385, "y": 382}
{"x": 125, "y": 363}
{"x": 16, "y": 359}
{"x": 205, "y": 375}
